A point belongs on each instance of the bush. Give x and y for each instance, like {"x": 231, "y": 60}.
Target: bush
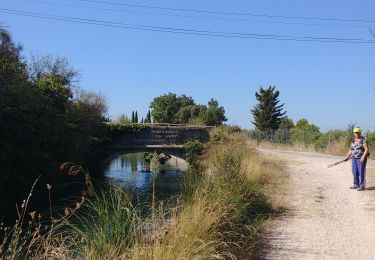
{"x": 219, "y": 135}
{"x": 303, "y": 136}
{"x": 44, "y": 122}
{"x": 330, "y": 137}
{"x": 193, "y": 149}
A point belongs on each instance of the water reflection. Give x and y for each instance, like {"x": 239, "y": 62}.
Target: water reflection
{"x": 128, "y": 171}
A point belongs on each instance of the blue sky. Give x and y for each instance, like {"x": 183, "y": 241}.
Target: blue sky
{"x": 330, "y": 84}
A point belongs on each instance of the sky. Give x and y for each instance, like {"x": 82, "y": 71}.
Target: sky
{"x": 331, "y": 84}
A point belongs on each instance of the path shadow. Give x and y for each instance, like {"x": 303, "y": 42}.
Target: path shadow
{"x": 370, "y": 188}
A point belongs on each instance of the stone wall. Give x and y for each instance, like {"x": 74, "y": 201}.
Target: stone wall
{"x": 163, "y": 135}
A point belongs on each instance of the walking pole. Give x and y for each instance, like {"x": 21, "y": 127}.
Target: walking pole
{"x": 337, "y": 163}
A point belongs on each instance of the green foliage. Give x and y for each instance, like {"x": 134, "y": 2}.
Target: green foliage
{"x": 123, "y": 119}
{"x": 44, "y": 121}
{"x": 301, "y": 136}
{"x": 136, "y": 117}
{"x": 165, "y": 107}
{"x": 160, "y": 157}
{"x": 251, "y": 204}
{"x": 170, "y": 108}
{"x": 330, "y": 137}
{"x": 193, "y": 150}
{"x": 190, "y": 113}
{"x": 304, "y": 124}
{"x": 219, "y": 135}
{"x": 115, "y": 129}
{"x": 304, "y": 132}
{"x": 214, "y": 115}
{"x": 286, "y": 123}
{"x": 267, "y": 113}
{"x": 218, "y": 217}
{"x": 105, "y": 224}
{"x": 148, "y": 117}
{"x": 13, "y": 70}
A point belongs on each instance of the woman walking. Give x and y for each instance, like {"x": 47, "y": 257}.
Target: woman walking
{"x": 359, "y": 152}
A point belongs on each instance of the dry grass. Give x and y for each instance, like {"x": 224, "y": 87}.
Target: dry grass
{"x": 190, "y": 235}
{"x": 224, "y": 215}
{"x": 298, "y": 147}
{"x": 339, "y": 147}
{"x": 219, "y": 219}
{"x": 32, "y": 238}
{"x": 271, "y": 174}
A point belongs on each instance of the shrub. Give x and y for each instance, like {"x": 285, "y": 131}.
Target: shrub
{"x": 193, "y": 149}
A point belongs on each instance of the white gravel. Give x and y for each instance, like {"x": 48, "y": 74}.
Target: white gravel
{"x": 326, "y": 219}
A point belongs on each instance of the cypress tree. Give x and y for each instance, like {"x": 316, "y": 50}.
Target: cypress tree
{"x": 148, "y": 117}
{"x": 136, "y": 117}
{"x": 267, "y": 113}
{"x": 133, "y": 117}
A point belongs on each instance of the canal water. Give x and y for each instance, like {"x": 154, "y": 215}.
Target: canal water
{"x": 129, "y": 172}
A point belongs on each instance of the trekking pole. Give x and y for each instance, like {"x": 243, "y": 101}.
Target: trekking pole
{"x": 337, "y": 163}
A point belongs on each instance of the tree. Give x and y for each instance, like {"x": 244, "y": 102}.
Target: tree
{"x": 304, "y": 124}
{"x": 148, "y": 117}
{"x": 133, "y": 117}
{"x": 136, "y": 117}
{"x": 214, "y": 115}
{"x": 170, "y": 108}
{"x": 13, "y": 70}
{"x": 165, "y": 107}
{"x": 187, "y": 113}
{"x": 304, "y": 132}
{"x": 286, "y": 123}
{"x": 44, "y": 121}
{"x": 267, "y": 113}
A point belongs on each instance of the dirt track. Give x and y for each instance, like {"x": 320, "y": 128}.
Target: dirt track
{"x": 326, "y": 219}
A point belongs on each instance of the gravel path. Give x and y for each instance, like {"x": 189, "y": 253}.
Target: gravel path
{"x": 326, "y": 219}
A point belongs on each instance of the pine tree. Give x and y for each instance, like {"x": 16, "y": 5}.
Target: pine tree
{"x": 267, "y": 113}
{"x": 142, "y": 121}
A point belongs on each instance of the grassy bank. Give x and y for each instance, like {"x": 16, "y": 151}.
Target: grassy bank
{"x": 225, "y": 200}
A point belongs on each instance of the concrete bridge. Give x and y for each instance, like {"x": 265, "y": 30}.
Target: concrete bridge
{"x": 165, "y": 138}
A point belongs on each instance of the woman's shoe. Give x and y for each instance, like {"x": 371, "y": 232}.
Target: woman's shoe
{"x": 354, "y": 187}
{"x": 361, "y": 188}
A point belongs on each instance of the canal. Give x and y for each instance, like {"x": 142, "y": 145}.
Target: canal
{"x": 129, "y": 171}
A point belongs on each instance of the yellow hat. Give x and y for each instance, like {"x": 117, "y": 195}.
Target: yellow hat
{"x": 356, "y": 130}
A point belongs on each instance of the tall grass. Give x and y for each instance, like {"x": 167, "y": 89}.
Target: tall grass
{"x": 224, "y": 213}
{"x": 105, "y": 227}
{"x": 218, "y": 215}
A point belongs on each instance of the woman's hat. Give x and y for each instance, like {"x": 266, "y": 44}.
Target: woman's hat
{"x": 356, "y": 130}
